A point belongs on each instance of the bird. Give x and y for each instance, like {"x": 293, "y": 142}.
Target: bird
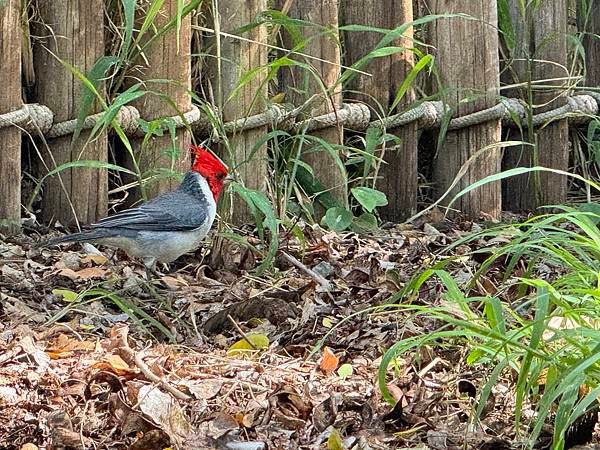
{"x": 171, "y": 224}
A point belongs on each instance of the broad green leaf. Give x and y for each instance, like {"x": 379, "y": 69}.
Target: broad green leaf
{"x": 250, "y": 343}
{"x": 369, "y": 198}
{"x": 338, "y": 219}
{"x": 364, "y": 223}
{"x": 345, "y": 370}
{"x": 373, "y": 139}
{"x": 68, "y": 296}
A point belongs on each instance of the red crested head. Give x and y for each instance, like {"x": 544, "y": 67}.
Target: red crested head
{"x": 211, "y": 168}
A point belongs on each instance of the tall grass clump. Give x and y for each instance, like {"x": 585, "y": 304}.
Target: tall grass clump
{"x": 541, "y": 326}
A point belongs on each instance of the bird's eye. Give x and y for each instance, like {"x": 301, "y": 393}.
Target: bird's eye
{"x": 221, "y": 176}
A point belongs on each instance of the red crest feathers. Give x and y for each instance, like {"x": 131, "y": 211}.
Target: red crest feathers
{"x": 206, "y": 163}
{"x": 211, "y": 168}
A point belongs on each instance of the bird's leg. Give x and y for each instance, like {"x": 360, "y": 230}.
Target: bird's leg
{"x": 151, "y": 271}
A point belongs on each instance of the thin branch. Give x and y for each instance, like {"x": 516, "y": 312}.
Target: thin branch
{"x": 326, "y": 285}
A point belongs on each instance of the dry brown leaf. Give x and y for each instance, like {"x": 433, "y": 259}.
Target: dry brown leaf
{"x": 244, "y": 420}
{"x": 83, "y": 274}
{"x": 330, "y": 362}
{"x": 165, "y": 412}
{"x": 396, "y": 392}
{"x": 116, "y": 364}
{"x": 203, "y": 389}
{"x": 173, "y": 282}
{"x": 64, "y": 346}
{"x": 39, "y": 356}
{"x": 98, "y": 260}
{"x": 29, "y": 447}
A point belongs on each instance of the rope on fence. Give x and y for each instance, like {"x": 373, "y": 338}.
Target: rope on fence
{"x": 432, "y": 114}
{"x": 582, "y": 105}
{"x": 352, "y": 115}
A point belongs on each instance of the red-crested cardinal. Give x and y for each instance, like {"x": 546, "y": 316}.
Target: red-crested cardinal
{"x": 166, "y": 227}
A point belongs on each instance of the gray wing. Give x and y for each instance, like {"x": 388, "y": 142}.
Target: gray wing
{"x": 172, "y": 211}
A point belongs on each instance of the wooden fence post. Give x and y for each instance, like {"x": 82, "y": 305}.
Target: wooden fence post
{"x": 515, "y": 70}
{"x": 545, "y": 28}
{"x": 237, "y": 59}
{"x": 10, "y": 100}
{"x": 74, "y": 33}
{"x": 467, "y": 60}
{"x": 398, "y": 178}
{"x": 163, "y": 60}
{"x": 550, "y": 41}
{"x": 591, "y": 43}
{"x": 300, "y": 85}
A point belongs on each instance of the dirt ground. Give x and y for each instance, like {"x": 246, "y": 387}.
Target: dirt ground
{"x": 212, "y": 355}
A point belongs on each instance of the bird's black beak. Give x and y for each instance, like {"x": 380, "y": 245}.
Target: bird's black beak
{"x": 228, "y": 179}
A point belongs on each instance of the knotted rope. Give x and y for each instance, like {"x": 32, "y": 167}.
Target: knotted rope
{"x": 357, "y": 116}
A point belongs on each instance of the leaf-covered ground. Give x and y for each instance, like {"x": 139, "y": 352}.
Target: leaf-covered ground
{"x": 213, "y": 356}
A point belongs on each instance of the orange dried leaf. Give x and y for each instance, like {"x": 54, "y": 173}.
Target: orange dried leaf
{"x": 329, "y": 362}
{"x": 98, "y": 260}
{"x": 115, "y": 364}
{"x": 83, "y": 274}
{"x": 64, "y": 346}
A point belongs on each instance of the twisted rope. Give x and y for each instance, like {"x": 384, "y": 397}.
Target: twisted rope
{"x": 581, "y": 104}
{"x": 351, "y": 115}
{"x": 579, "y": 108}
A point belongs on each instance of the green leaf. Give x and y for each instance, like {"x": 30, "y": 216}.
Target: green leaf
{"x": 250, "y": 343}
{"x": 425, "y": 61}
{"x": 151, "y": 14}
{"x": 364, "y": 223}
{"x": 538, "y": 327}
{"x": 68, "y": 296}
{"x": 338, "y": 219}
{"x": 334, "y": 441}
{"x": 259, "y": 204}
{"x": 519, "y": 171}
{"x": 373, "y": 139}
{"x": 313, "y": 186}
{"x": 95, "y": 76}
{"x": 129, "y": 7}
{"x": 345, "y": 370}
{"x": 369, "y": 198}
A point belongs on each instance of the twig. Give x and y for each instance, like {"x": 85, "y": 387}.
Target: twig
{"x": 138, "y": 358}
{"x": 139, "y": 361}
{"x": 311, "y": 273}
{"x": 429, "y": 366}
{"x": 239, "y": 330}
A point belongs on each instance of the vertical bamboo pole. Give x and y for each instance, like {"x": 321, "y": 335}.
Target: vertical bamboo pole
{"x": 10, "y": 100}
{"x": 399, "y": 174}
{"x": 300, "y": 85}
{"x": 467, "y": 59}
{"x": 74, "y": 32}
{"x": 237, "y": 59}
{"x": 164, "y": 60}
